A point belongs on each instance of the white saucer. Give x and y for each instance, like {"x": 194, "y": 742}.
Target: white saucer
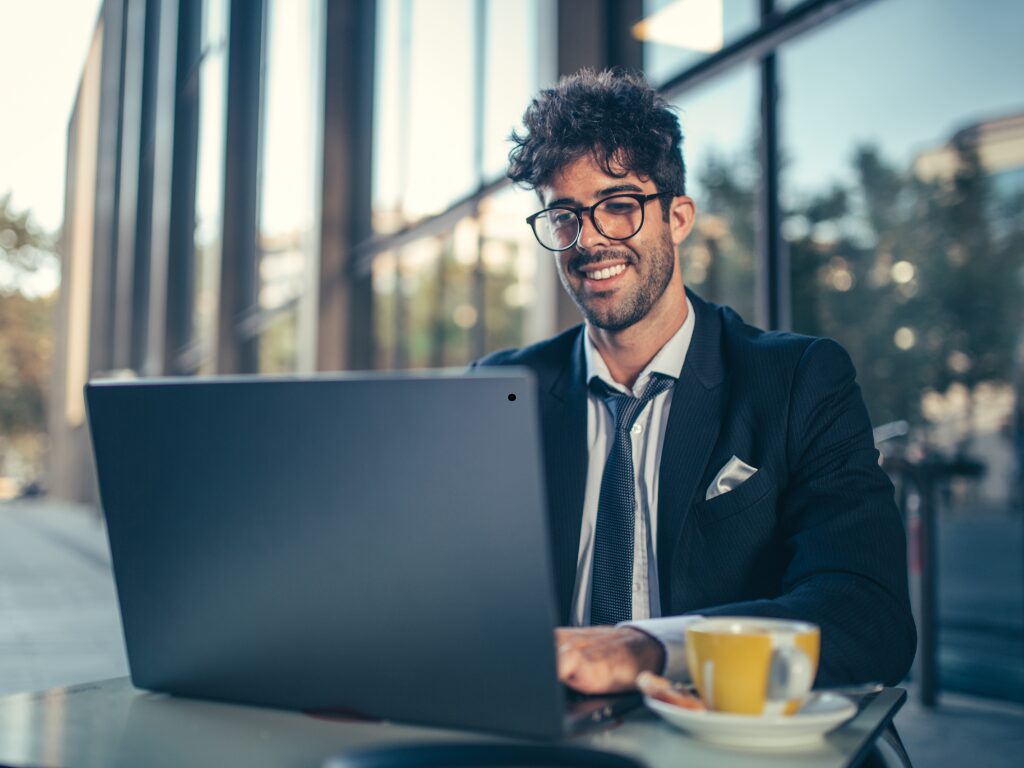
{"x": 806, "y": 727}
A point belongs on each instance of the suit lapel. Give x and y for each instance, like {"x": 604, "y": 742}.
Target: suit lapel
{"x": 564, "y": 419}
{"x": 693, "y": 424}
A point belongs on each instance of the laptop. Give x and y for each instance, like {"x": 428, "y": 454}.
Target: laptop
{"x": 360, "y": 543}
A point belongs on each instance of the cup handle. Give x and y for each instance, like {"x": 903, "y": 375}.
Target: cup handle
{"x": 791, "y": 674}
{"x": 708, "y": 684}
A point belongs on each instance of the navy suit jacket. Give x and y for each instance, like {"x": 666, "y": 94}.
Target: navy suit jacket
{"x": 814, "y": 534}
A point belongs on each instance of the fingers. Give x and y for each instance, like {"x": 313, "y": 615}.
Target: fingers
{"x": 602, "y": 659}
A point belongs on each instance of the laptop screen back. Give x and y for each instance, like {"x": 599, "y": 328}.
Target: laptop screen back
{"x": 366, "y": 542}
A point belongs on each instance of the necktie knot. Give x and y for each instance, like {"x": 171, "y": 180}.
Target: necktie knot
{"x": 625, "y": 409}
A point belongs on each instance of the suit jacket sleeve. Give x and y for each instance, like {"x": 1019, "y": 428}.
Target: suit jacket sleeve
{"x": 840, "y": 528}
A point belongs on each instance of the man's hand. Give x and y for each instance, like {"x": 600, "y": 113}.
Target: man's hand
{"x": 606, "y": 659}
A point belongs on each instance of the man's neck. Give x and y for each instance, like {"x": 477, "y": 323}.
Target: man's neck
{"x": 629, "y": 351}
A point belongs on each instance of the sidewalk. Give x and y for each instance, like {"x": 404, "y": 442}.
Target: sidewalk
{"x": 59, "y": 622}
{"x": 59, "y": 625}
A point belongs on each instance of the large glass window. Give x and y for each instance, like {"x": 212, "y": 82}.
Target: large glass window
{"x": 442, "y": 299}
{"x": 516, "y": 270}
{"x": 903, "y": 190}
{"x": 511, "y": 75}
{"x": 720, "y": 130}
{"x": 424, "y": 134}
{"x": 676, "y": 34}
{"x": 444, "y": 110}
{"x": 290, "y": 154}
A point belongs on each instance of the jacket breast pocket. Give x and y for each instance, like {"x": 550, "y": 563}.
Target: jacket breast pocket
{"x": 757, "y": 487}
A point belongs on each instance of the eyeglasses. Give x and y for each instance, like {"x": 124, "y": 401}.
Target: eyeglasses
{"x": 617, "y": 217}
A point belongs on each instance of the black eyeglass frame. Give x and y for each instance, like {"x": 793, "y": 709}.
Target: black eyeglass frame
{"x": 642, "y": 199}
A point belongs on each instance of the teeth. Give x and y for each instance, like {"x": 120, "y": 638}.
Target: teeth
{"x": 604, "y": 274}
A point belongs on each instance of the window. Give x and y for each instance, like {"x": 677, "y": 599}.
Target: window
{"x": 423, "y": 138}
{"x": 288, "y": 221}
{"x": 902, "y": 195}
{"x": 449, "y": 91}
{"x": 719, "y": 122}
{"x": 677, "y": 34}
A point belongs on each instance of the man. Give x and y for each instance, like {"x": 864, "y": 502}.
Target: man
{"x": 695, "y": 465}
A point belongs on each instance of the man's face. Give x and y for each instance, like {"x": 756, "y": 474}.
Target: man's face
{"x": 615, "y": 283}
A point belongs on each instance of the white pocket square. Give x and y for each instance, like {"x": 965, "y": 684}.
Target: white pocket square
{"x": 729, "y": 477}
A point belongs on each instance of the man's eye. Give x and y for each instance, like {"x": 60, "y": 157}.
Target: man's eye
{"x": 561, "y": 218}
{"x": 620, "y": 207}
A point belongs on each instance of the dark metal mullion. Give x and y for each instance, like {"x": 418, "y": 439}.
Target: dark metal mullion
{"x": 181, "y": 245}
{"x": 107, "y": 189}
{"x": 771, "y": 305}
{"x": 144, "y": 199}
{"x": 237, "y": 348}
{"x": 345, "y": 308}
{"x": 134, "y": 39}
{"x": 113, "y": 283}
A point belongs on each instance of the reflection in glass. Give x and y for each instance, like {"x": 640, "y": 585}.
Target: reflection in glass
{"x": 509, "y": 260}
{"x": 288, "y": 236}
{"x": 278, "y": 345}
{"x": 679, "y": 33}
{"x": 446, "y": 299}
{"x": 719, "y": 124}
{"x": 449, "y": 90}
{"x": 903, "y": 197}
{"x": 209, "y": 197}
{"x": 384, "y": 280}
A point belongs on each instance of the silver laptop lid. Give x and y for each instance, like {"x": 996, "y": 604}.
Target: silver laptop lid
{"x": 363, "y": 542}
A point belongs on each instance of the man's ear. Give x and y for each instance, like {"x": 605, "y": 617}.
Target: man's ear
{"x": 681, "y": 216}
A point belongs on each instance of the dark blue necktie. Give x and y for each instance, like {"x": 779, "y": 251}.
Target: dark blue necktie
{"x": 611, "y": 591}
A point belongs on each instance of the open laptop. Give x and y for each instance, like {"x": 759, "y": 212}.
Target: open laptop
{"x": 363, "y": 543}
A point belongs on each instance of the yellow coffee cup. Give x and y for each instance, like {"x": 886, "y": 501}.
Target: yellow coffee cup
{"x": 753, "y": 666}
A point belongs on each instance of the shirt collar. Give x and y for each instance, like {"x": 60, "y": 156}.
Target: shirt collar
{"x": 669, "y": 360}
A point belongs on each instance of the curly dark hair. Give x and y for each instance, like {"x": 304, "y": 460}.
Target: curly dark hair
{"x": 613, "y": 114}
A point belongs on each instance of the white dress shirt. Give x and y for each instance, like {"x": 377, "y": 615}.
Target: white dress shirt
{"x": 648, "y": 436}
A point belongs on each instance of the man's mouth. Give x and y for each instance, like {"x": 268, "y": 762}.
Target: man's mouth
{"x": 602, "y": 274}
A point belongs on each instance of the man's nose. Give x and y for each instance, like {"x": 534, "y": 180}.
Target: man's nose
{"x": 590, "y": 236}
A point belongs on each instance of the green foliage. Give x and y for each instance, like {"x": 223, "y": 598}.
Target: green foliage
{"x": 23, "y": 246}
{"x": 942, "y": 259}
{"x": 25, "y": 326}
{"x": 25, "y": 353}
{"x": 902, "y": 253}
{"x": 718, "y": 259}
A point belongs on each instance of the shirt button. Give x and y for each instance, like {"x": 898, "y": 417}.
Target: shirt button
{"x": 638, "y": 428}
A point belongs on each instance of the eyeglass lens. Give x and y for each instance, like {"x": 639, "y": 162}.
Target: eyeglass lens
{"x": 618, "y": 218}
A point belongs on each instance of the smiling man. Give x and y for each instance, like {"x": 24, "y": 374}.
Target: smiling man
{"x": 695, "y": 465}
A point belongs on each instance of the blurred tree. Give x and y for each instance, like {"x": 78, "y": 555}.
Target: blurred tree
{"x": 921, "y": 281}
{"x": 718, "y": 259}
{"x": 24, "y": 247}
{"x": 908, "y": 275}
{"x": 25, "y": 338}
{"x": 25, "y": 352}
